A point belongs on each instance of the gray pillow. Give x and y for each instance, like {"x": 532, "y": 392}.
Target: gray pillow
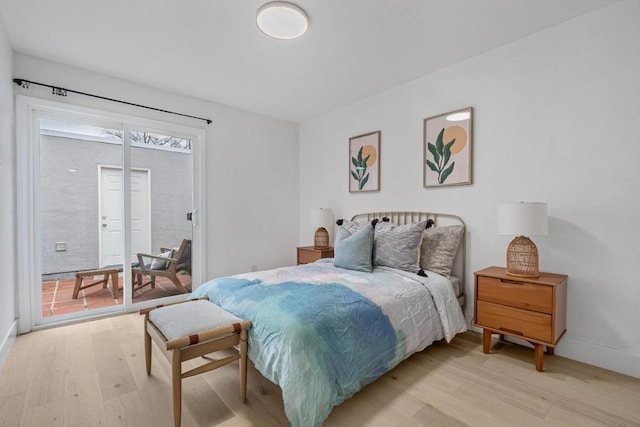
{"x": 398, "y": 246}
{"x": 353, "y": 250}
{"x": 159, "y": 264}
{"x": 439, "y": 247}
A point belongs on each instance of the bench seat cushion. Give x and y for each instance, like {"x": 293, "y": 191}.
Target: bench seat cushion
{"x": 190, "y": 318}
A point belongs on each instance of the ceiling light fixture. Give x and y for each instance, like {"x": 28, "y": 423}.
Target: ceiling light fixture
{"x": 282, "y": 20}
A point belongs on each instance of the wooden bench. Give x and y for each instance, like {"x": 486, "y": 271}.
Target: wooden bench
{"x": 190, "y": 329}
{"x": 81, "y": 276}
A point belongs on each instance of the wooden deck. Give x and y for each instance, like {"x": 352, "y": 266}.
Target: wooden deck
{"x": 57, "y": 295}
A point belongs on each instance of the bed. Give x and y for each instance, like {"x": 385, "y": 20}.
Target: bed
{"x": 323, "y": 332}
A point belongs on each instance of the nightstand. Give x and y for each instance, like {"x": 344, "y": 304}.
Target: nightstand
{"x": 532, "y": 309}
{"x": 307, "y": 254}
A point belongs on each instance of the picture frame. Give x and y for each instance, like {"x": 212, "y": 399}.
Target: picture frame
{"x": 448, "y": 149}
{"x": 364, "y": 162}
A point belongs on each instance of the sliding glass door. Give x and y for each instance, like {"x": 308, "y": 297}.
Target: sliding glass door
{"x": 109, "y": 203}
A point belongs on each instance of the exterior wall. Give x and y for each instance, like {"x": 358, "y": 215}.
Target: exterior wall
{"x": 70, "y": 200}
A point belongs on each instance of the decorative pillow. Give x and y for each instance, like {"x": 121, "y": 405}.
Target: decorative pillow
{"x": 398, "y": 246}
{"x": 159, "y": 264}
{"x": 352, "y": 226}
{"x": 353, "y": 250}
{"x": 439, "y": 247}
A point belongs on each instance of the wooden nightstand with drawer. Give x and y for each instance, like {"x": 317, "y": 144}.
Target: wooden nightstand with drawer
{"x": 307, "y": 254}
{"x": 532, "y": 309}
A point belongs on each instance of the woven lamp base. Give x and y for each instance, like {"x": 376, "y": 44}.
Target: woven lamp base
{"x": 321, "y": 239}
{"x": 522, "y": 258}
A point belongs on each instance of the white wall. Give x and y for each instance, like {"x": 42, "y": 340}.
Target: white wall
{"x": 251, "y": 164}
{"x": 556, "y": 120}
{"x": 7, "y": 201}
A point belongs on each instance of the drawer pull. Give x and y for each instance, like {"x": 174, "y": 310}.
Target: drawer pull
{"x": 511, "y": 331}
{"x": 511, "y": 282}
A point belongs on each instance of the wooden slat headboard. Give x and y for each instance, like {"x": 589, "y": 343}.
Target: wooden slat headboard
{"x": 440, "y": 219}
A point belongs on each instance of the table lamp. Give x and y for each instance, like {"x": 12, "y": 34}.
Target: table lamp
{"x": 521, "y": 220}
{"x": 321, "y": 219}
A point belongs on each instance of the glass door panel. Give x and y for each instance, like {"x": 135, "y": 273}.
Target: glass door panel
{"x": 81, "y": 238}
{"x": 161, "y": 204}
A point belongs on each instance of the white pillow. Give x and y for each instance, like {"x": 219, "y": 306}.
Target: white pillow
{"x": 159, "y": 264}
{"x": 439, "y": 248}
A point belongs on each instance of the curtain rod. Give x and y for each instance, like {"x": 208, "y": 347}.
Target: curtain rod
{"x": 60, "y": 91}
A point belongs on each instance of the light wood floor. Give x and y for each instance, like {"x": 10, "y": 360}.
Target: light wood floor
{"x": 93, "y": 374}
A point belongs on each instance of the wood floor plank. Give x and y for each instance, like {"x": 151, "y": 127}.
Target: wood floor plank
{"x": 126, "y": 409}
{"x": 369, "y": 411}
{"x": 45, "y": 380}
{"x": 93, "y": 374}
{"x": 114, "y": 373}
{"x": 453, "y": 409}
{"x": 354, "y": 412}
{"x": 410, "y": 375}
{"x": 46, "y": 340}
{"x": 391, "y": 396}
{"x": 11, "y": 408}
{"x": 432, "y": 416}
{"x": 78, "y": 351}
{"x": 471, "y": 378}
{"x": 591, "y": 402}
{"x": 264, "y": 405}
{"x": 203, "y": 403}
{"x": 155, "y": 389}
{"x": 14, "y": 380}
{"x": 479, "y": 398}
{"x": 83, "y": 403}
{"x": 560, "y": 417}
{"x": 50, "y": 415}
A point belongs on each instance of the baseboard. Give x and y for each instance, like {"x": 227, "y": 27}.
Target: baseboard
{"x": 592, "y": 354}
{"x": 598, "y": 355}
{"x": 7, "y": 343}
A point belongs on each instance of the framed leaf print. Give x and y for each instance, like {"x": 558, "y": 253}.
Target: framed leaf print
{"x": 364, "y": 163}
{"x": 447, "y": 149}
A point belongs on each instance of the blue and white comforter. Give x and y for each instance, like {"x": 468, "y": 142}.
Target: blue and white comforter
{"x": 322, "y": 333}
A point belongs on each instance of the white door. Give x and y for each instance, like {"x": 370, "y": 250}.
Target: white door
{"x": 111, "y": 238}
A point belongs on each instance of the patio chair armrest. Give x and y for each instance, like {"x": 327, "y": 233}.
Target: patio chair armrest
{"x": 161, "y": 258}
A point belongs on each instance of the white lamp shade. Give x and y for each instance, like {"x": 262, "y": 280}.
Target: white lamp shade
{"x": 321, "y": 218}
{"x": 523, "y": 219}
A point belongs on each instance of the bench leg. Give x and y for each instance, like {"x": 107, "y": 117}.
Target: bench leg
{"x": 76, "y": 288}
{"x": 114, "y": 284}
{"x": 147, "y": 347}
{"x": 177, "y": 387}
{"x": 243, "y": 364}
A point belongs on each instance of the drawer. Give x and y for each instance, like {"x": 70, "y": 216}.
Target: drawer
{"x": 305, "y": 257}
{"x": 528, "y": 324}
{"x": 516, "y": 293}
